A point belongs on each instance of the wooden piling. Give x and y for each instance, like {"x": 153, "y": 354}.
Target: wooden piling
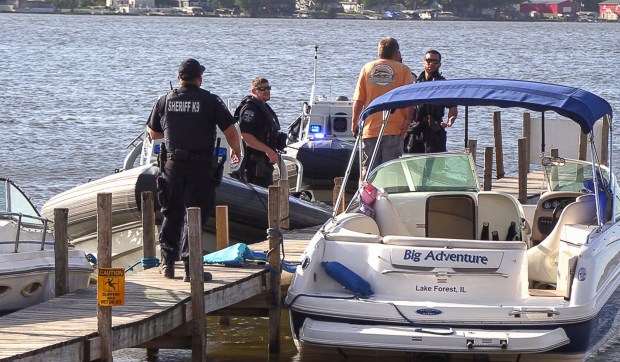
{"x": 338, "y": 181}
{"x": 472, "y": 146}
{"x": 527, "y": 128}
{"x": 523, "y": 169}
{"x": 284, "y": 206}
{"x": 148, "y": 226}
{"x": 273, "y": 257}
{"x": 104, "y": 260}
{"x": 222, "y": 235}
{"x": 148, "y": 241}
{"x": 488, "y": 167}
{"x": 61, "y": 252}
{"x": 583, "y": 146}
{"x": 499, "y": 150}
{"x": 196, "y": 270}
{"x": 222, "y": 239}
{"x": 605, "y": 140}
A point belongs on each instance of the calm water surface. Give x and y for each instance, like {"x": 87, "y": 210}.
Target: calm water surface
{"x": 78, "y": 89}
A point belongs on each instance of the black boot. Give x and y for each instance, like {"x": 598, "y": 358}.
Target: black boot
{"x": 206, "y": 276}
{"x": 186, "y": 267}
{"x": 167, "y": 268}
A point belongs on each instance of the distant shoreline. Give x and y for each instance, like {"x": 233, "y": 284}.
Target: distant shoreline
{"x": 339, "y": 16}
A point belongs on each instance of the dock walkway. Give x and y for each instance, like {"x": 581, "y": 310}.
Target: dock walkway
{"x": 65, "y": 328}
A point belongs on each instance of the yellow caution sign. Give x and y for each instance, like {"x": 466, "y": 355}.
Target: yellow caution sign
{"x": 110, "y": 287}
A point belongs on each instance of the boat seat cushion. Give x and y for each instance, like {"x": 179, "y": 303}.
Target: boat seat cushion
{"x": 387, "y": 216}
{"x": 543, "y": 258}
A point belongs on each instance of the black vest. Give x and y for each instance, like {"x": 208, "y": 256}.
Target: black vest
{"x": 185, "y": 121}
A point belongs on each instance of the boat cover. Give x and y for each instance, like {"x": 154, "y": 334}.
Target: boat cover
{"x": 581, "y": 106}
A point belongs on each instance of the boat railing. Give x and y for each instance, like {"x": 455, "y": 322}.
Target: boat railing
{"x": 19, "y": 218}
{"x": 284, "y": 172}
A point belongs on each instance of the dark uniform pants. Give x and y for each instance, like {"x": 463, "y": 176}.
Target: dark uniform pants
{"x": 435, "y": 140}
{"x": 182, "y": 184}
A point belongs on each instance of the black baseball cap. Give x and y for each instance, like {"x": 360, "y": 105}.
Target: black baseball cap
{"x": 190, "y": 69}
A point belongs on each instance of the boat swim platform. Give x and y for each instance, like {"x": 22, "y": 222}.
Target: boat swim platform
{"x": 156, "y": 314}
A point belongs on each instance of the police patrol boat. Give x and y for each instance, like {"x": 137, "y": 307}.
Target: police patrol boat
{"x": 424, "y": 261}
{"x": 27, "y": 261}
{"x": 247, "y": 206}
{"x": 320, "y": 143}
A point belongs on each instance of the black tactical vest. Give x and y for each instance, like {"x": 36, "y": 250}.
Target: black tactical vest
{"x": 185, "y": 121}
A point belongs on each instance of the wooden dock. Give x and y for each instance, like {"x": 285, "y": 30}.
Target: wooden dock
{"x": 157, "y": 311}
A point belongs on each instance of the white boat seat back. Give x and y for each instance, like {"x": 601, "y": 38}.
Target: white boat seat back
{"x": 543, "y": 258}
{"x": 357, "y": 222}
{"x": 498, "y": 209}
{"x": 387, "y": 217}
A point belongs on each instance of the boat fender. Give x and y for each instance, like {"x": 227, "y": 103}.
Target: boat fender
{"x": 348, "y": 278}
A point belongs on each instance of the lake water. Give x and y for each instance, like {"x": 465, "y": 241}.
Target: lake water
{"x": 78, "y": 89}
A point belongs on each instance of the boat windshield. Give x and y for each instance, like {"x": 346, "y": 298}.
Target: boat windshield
{"x": 424, "y": 173}
{"x": 13, "y": 201}
{"x": 570, "y": 175}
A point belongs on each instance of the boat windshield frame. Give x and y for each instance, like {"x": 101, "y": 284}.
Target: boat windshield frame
{"x": 435, "y": 172}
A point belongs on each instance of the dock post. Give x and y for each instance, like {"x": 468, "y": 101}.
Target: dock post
{"x": 583, "y": 147}
{"x": 527, "y": 129}
{"x": 488, "y": 167}
{"x": 499, "y": 150}
{"x": 337, "y": 187}
{"x": 222, "y": 238}
{"x": 61, "y": 252}
{"x": 284, "y": 206}
{"x": 148, "y": 242}
{"x": 148, "y": 226}
{"x": 196, "y": 270}
{"x": 605, "y": 140}
{"x": 472, "y": 146}
{"x": 522, "y": 149}
{"x": 104, "y": 255}
{"x": 273, "y": 257}
{"x": 222, "y": 235}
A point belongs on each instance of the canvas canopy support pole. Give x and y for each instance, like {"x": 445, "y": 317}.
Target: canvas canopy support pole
{"x": 386, "y": 115}
{"x": 466, "y": 126}
{"x": 347, "y": 174}
{"x": 542, "y": 133}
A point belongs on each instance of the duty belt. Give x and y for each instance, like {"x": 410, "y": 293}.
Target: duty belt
{"x": 187, "y": 155}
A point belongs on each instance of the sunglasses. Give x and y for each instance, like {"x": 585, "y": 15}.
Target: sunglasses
{"x": 263, "y": 88}
{"x": 432, "y": 61}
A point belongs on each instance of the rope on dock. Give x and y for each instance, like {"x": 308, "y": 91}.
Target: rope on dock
{"x": 146, "y": 263}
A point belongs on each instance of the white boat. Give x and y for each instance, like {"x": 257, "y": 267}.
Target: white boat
{"x": 27, "y": 261}
{"x": 421, "y": 274}
{"x": 320, "y": 144}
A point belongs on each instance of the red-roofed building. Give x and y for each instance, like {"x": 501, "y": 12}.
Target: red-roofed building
{"x": 609, "y": 9}
{"x": 557, "y": 7}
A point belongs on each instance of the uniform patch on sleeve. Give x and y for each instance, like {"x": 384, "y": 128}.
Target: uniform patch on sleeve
{"x": 221, "y": 102}
{"x": 248, "y": 116}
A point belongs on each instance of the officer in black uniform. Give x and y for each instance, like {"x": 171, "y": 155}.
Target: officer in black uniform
{"x": 428, "y": 132}
{"x": 186, "y": 118}
{"x": 260, "y": 131}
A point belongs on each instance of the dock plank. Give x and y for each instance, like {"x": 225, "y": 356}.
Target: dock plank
{"x": 65, "y": 328}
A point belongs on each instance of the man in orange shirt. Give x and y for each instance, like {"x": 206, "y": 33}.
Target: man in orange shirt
{"x": 376, "y": 78}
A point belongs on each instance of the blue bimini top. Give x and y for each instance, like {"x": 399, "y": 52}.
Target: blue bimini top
{"x": 580, "y": 106}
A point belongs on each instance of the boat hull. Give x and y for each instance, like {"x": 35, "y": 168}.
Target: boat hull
{"x": 28, "y": 277}
{"x": 247, "y": 212}
{"x": 321, "y": 334}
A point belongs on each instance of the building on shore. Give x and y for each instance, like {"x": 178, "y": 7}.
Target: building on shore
{"x": 609, "y": 10}
{"x": 549, "y": 8}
